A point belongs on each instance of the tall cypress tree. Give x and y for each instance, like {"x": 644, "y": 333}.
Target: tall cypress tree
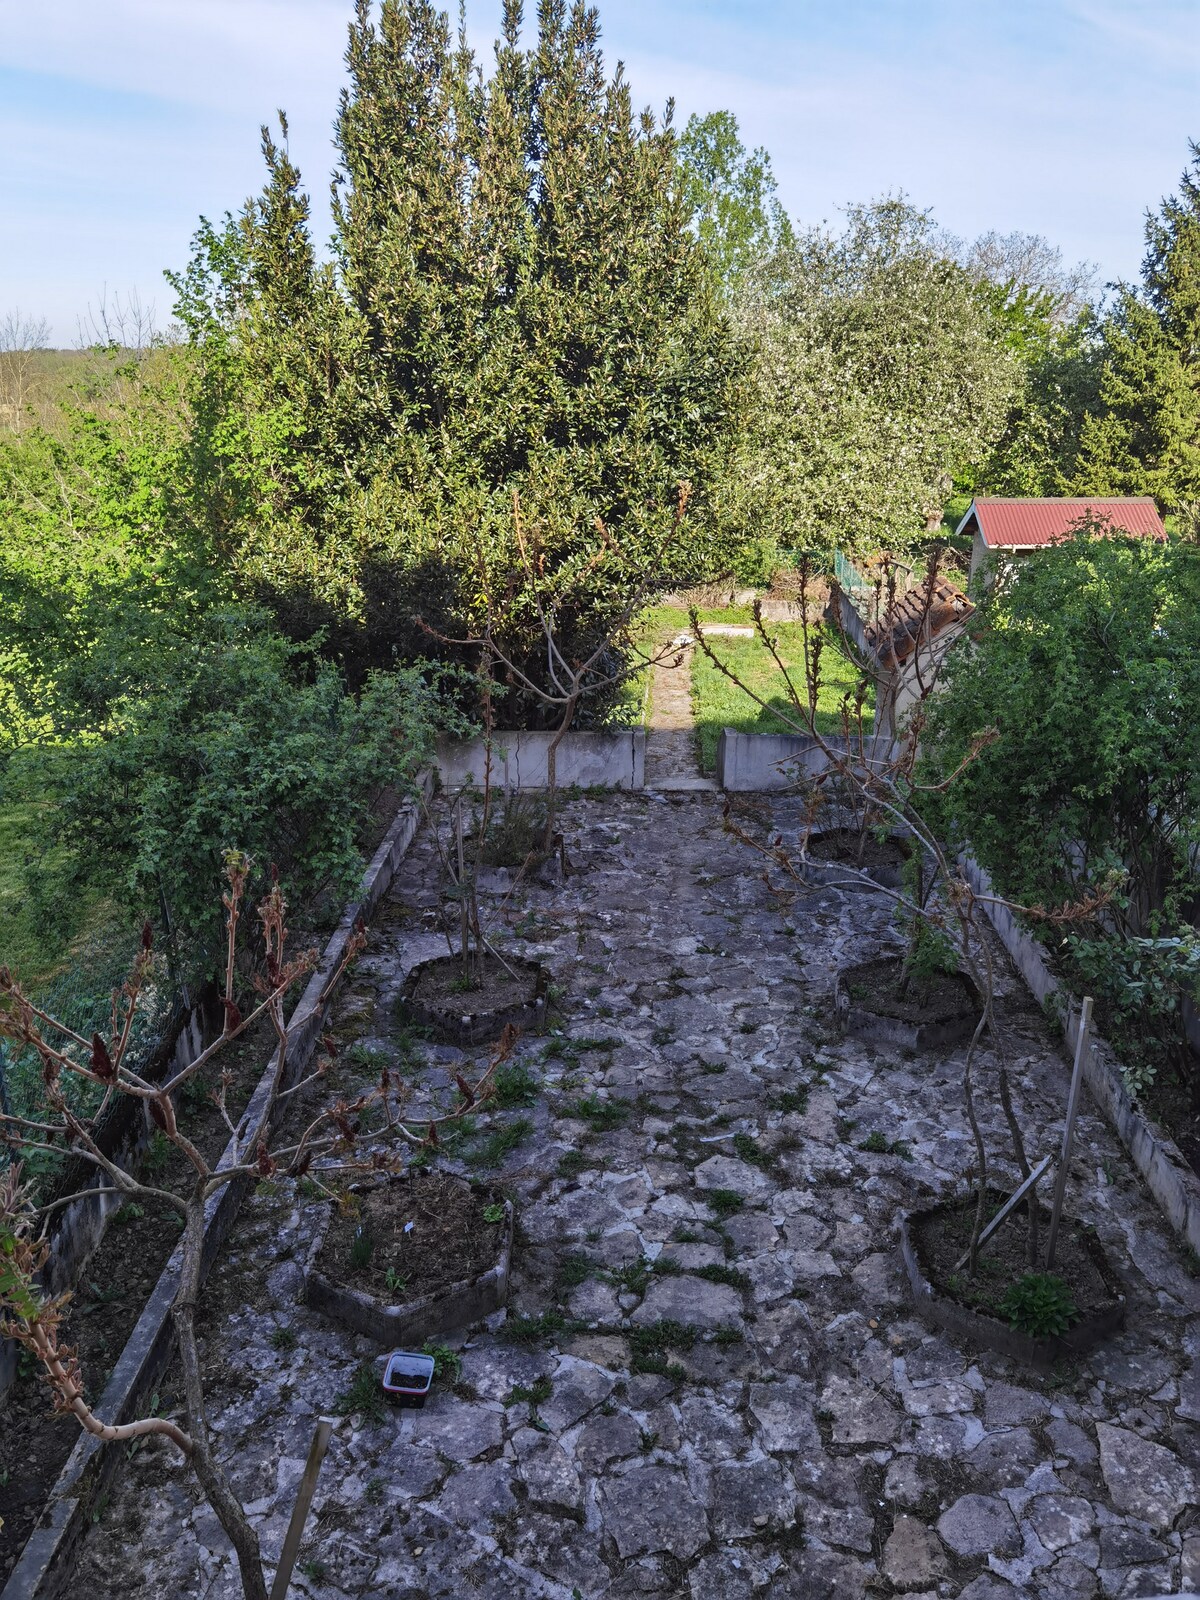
{"x": 515, "y": 305}
{"x": 1145, "y": 435}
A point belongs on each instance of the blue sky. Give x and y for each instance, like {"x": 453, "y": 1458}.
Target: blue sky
{"x": 122, "y": 122}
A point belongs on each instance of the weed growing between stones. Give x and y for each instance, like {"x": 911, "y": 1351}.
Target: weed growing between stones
{"x": 535, "y": 1394}
{"x": 499, "y": 1144}
{"x": 535, "y": 1329}
{"x": 362, "y": 1396}
{"x": 603, "y": 1115}
{"x": 716, "y": 1273}
{"x": 574, "y": 1270}
{"x": 879, "y": 1144}
{"x": 515, "y": 1086}
{"x": 649, "y": 1347}
{"x": 748, "y": 1149}
{"x": 447, "y": 1363}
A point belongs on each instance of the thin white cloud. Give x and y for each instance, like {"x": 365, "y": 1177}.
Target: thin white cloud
{"x": 1163, "y": 34}
{"x": 1064, "y": 117}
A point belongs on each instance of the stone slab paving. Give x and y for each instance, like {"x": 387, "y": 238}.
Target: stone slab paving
{"x": 710, "y": 1382}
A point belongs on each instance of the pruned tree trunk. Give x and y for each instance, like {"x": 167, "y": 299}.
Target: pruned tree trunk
{"x": 212, "y": 1478}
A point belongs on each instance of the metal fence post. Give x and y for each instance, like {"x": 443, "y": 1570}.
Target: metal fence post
{"x": 5, "y": 1103}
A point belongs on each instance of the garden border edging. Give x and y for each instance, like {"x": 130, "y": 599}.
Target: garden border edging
{"x": 44, "y": 1568}
{"x": 1154, "y": 1153}
{"x": 589, "y": 758}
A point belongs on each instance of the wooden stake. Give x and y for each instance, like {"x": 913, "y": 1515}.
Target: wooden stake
{"x": 308, "y": 1486}
{"x": 1064, "y": 1163}
{"x": 1008, "y": 1206}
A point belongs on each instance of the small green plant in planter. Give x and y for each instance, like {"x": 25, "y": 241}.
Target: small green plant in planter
{"x": 362, "y": 1248}
{"x": 1040, "y": 1305}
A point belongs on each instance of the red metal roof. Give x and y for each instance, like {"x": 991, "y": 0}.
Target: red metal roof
{"x": 1017, "y": 524}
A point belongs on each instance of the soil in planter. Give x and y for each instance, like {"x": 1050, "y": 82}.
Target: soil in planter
{"x": 514, "y": 834}
{"x": 440, "y": 986}
{"x": 450, "y": 1239}
{"x": 874, "y": 986}
{"x": 940, "y": 1240}
{"x": 842, "y": 845}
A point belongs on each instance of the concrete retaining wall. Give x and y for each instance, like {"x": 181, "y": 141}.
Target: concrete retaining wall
{"x": 605, "y": 760}
{"x": 763, "y": 761}
{"x": 45, "y": 1568}
{"x": 1157, "y": 1157}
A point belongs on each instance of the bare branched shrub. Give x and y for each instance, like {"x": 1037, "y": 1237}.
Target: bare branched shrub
{"x": 876, "y": 781}
{"x": 346, "y": 1138}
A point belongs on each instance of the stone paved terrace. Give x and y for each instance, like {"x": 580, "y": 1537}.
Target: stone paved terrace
{"x": 815, "y": 1439}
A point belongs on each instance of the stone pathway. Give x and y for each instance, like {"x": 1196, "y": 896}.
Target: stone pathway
{"x": 710, "y": 1383}
{"x": 672, "y": 763}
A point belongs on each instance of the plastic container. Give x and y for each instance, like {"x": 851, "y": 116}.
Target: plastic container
{"x": 408, "y": 1377}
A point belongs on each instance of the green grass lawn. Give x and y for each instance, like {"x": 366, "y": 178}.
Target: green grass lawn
{"x": 656, "y": 626}
{"x": 718, "y": 703}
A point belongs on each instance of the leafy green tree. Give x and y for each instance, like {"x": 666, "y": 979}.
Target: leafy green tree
{"x": 1087, "y": 661}
{"x": 97, "y": 554}
{"x": 1145, "y": 435}
{"x": 879, "y": 377}
{"x": 732, "y": 195}
{"x": 515, "y": 305}
{"x": 240, "y": 741}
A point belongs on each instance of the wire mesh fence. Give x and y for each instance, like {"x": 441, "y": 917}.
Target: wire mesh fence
{"x": 82, "y": 997}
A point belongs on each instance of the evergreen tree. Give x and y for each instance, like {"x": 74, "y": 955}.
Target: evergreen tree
{"x": 515, "y": 306}
{"x": 1145, "y": 435}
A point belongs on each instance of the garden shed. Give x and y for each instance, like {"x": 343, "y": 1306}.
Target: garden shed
{"x": 1015, "y": 528}
{"x": 902, "y": 638}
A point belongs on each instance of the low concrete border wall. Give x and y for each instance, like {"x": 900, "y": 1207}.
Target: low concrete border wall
{"x": 1155, "y": 1154}
{"x": 761, "y": 761}
{"x": 44, "y": 1569}
{"x": 613, "y": 759}
{"x": 764, "y": 761}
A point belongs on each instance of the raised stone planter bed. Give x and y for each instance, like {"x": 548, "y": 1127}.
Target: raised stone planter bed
{"x": 1169, "y": 1176}
{"x": 1103, "y": 1316}
{"x": 512, "y": 994}
{"x": 833, "y": 853}
{"x": 866, "y": 1009}
{"x": 449, "y": 1304}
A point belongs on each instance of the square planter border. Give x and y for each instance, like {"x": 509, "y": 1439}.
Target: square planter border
{"x": 447, "y": 1310}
